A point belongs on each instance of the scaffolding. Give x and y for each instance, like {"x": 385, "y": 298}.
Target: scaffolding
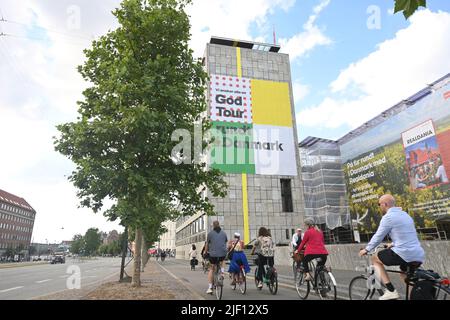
{"x": 324, "y": 188}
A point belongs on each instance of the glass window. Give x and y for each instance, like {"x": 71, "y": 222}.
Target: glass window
{"x": 286, "y": 195}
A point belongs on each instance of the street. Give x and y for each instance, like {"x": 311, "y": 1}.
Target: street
{"x": 30, "y": 282}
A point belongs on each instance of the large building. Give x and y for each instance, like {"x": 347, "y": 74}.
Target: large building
{"x": 16, "y": 223}
{"x": 252, "y": 111}
{"x": 167, "y": 240}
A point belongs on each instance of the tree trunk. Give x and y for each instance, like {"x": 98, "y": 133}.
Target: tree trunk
{"x": 136, "y": 281}
{"x": 144, "y": 253}
{"x": 124, "y": 252}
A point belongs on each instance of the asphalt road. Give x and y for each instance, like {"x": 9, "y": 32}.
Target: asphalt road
{"x": 30, "y": 282}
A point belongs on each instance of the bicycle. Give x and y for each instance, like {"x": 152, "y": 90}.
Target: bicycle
{"x": 218, "y": 281}
{"x": 366, "y": 286}
{"x": 322, "y": 281}
{"x": 240, "y": 280}
{"x": 270, "y": 278}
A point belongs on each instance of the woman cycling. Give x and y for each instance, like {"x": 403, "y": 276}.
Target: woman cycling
{"x": 239, "y": 258}
{"x": 264, "y": 249}
{"x": 315, "y": 247}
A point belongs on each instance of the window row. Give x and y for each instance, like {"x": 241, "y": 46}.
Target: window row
{"x": 7, "y": 226}
{"x": 13, "y": 209}
{"x": 10, "y": 236}
{"x": 15, "y": 219}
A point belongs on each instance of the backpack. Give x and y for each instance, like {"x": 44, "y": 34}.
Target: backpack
{"x": 266, "y": 246}
{"x": 423, "y": 290}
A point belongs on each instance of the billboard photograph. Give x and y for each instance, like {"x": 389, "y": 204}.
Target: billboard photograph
{"x": 408, "y": 156}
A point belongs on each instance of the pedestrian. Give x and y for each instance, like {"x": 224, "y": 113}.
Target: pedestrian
{"x": 193, "y": 257}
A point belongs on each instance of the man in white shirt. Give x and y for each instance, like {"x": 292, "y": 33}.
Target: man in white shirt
{"x": 405, "y": 246}
{"x": 297, "y": 238}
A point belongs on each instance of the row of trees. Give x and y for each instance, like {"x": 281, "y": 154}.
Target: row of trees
{"x": 91, "y": 244}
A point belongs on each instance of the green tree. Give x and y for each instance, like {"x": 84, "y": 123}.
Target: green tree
{"x": 78, "y": 244}
{"x": 145, "y": 85}
{"x": 92, "y": 240}
{"x": 409, "y": 6}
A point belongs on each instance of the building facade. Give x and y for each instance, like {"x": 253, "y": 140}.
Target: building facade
{"x": 324, "y": 188}
{"x": 167, "y": 240}
{"x": 252, "y": 110}
{"x": 16, "y": 223}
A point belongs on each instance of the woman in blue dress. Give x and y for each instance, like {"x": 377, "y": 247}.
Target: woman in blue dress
{"x": 238, "y": 259}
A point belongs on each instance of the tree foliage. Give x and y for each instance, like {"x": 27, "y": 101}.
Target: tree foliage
{"x": 408, "y": 6}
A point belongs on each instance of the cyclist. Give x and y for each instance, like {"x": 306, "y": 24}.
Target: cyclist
{"x": 193, "y": 256}
{"x": 216, "y": 247}
{"x": 238, "y": 259}
{"x": 296, "y": 238}
{"x": 315, "y": 247}
{"x": 405, "y": 246}
{"x": 265, "y": 251}
{"x": 205, "y": 258}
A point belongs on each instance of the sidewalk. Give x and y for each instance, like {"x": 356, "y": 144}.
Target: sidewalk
{"x": 156, "y": 284}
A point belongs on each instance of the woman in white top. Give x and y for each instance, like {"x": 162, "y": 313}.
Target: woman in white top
{"x": 193, "y": 256}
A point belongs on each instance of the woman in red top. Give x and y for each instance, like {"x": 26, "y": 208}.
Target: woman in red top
{"x": 315, "y": 246}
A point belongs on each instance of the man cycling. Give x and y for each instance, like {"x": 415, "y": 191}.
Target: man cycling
{"x": 296, "y": 238}
{"x": 216, "y": 248}
{"x": 405, "y": 245}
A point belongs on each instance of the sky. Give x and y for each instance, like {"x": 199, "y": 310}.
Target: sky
{"x": 350, "y": 61}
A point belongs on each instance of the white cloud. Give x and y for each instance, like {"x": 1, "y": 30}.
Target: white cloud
{"x": 229, "y": 18}
{"x": 311, "y": 36}
{"x": 300, "y": 90}
{"x": 398, "y": 68}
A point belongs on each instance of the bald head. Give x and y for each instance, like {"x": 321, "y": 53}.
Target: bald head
{"x": 386, "y": 202}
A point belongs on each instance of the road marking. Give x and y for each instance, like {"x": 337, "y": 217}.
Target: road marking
{"x": 42, "y": 281}
{"x": 11, "y": 289}
{"x": 89, "y": 277}
{"x": 64, "y": 276}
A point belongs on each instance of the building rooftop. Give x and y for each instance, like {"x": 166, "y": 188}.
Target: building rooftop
{"x": 245, "y": 44}
{"x": 310, "y": 141}
{"x": 14, "y": 200}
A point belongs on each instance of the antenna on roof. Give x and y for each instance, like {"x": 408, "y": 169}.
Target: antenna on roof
{"x": 274, "y": 36}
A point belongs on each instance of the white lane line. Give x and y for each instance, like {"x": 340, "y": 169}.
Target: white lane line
{"x": 64, "y": 276}
{"x": 11, "y": 289}
{"x": 42, "y": 281}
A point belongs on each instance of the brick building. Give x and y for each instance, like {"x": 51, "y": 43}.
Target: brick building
{"x": 16, "y": 223}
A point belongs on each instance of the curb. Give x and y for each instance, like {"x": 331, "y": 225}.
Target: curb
{"x": 18, "y": 265}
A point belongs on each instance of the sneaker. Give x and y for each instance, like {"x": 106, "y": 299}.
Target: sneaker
{"x": 209, "y": 291}
{"x": 388, "y": 295}
{"x": 260, "y": 284}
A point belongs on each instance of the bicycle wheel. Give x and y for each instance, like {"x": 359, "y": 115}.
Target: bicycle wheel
{"x": 218, "y": 286}
{"x": 301, "y": 285}
{"x": 273, "y": 283}
{"x": 358, "y": 289}
{"x": 294, "y": 267}
{"x": 242, "y": 282}
{"x": 326, "y": 287}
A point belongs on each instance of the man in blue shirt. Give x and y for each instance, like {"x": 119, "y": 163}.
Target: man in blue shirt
{"x": 405, "y": 246}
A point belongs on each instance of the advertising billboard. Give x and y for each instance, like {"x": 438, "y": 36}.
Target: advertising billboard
{"x": 252, "y": 126}
{"x": 406, "y": 155}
